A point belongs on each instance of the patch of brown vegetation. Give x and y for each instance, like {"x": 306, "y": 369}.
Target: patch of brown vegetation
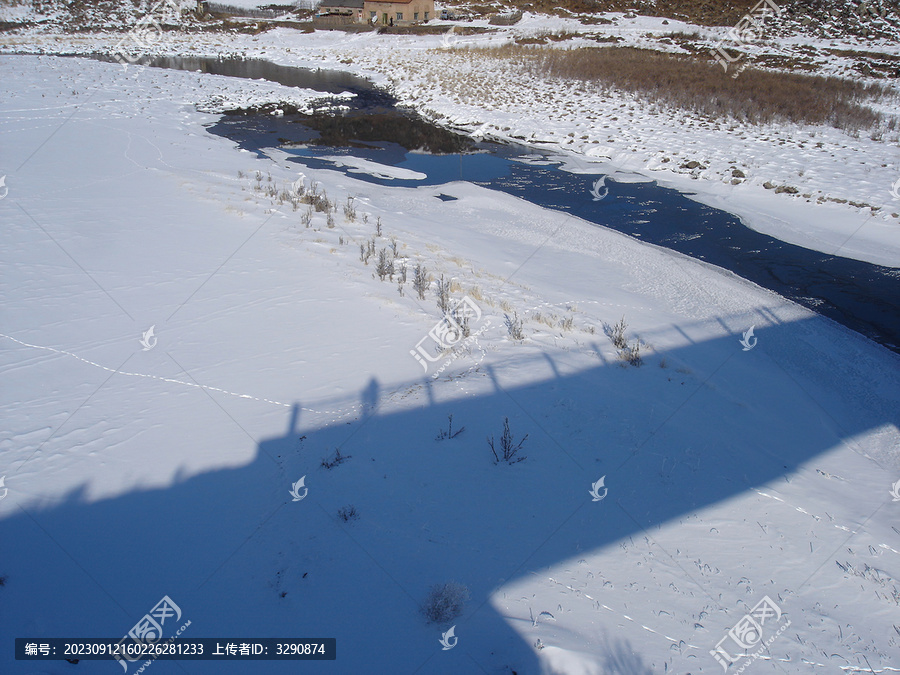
{"x": 547, "y": 37}
{"x": 433, "y": 30}
{"x": 784, "y": 62}
{"x": 756, "y": 96}
{"x": 826, "y": 18}
{"x": 871, "y": 64}
{"x": 861, "y": 54}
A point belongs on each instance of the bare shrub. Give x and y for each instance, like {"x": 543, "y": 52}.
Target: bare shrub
{"x": 632, "y": 354}
{"x": 616, "y": 333}
{"x": 449, "y": 433}
{"x": 337, "y": 459}
{"x": 286, "y": 196}
{"x": 508, "y": 447}
{"x": 350, "y": 210}
{"x": 348, "y": 513}
{"x": 366, "y": 251}
{"x": 385, "y": 265}
{"x": 459, "y": 315}
{"x": 420, "y": 280}
{"x": 443, "y": 295}
{"x": 514, "y": 326}
{"x": 445, "y": 602}
{"x": 318, "y": 201}
{"x": 547, "y": 319}
{"x": 378, "y": 227}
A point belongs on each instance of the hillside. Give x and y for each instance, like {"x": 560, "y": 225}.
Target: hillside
{"x": 876, "y": 19}
{"x": 182, "y": 345}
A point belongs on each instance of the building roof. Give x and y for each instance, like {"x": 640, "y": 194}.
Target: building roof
{"x": 345, "y": 4}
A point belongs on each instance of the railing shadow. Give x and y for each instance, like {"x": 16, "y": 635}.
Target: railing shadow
{"x": 242, "y": 558}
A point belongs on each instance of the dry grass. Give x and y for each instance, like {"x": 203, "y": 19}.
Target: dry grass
{"x": 542, "y": 37}
{"x": 431, "y": 30}
{"x": 819, "y": 14}
{"x": 547, "y": 320}
{"x": 701, "y": 86}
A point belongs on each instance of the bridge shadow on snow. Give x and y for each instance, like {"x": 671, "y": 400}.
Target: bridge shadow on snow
{"x": 242, "y": 559}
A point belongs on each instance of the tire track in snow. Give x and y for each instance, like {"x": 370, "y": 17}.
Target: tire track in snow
{"x": 843, "y": 528}
{"x": 170, "y": 380}
{"x": 624, "y": 616}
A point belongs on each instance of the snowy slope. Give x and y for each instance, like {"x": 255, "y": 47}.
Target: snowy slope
{"x": 134, "y": 474}
{"x": 846, "y": 183}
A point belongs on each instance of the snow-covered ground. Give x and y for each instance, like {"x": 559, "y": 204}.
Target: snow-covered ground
{"x": 136, "y": 469}
{"x": 848, "y": 185}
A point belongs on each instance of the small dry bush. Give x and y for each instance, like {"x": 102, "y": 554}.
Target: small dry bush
{"x": 514, "y": 326}
{"x": 616, "y": 333}
{"x": 445, "y": 602}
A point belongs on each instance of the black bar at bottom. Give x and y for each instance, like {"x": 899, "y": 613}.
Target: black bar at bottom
{"x": 206, "y": 649}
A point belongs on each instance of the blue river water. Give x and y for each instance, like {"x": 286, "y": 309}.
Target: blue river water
{"x": 862, "y": 296}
